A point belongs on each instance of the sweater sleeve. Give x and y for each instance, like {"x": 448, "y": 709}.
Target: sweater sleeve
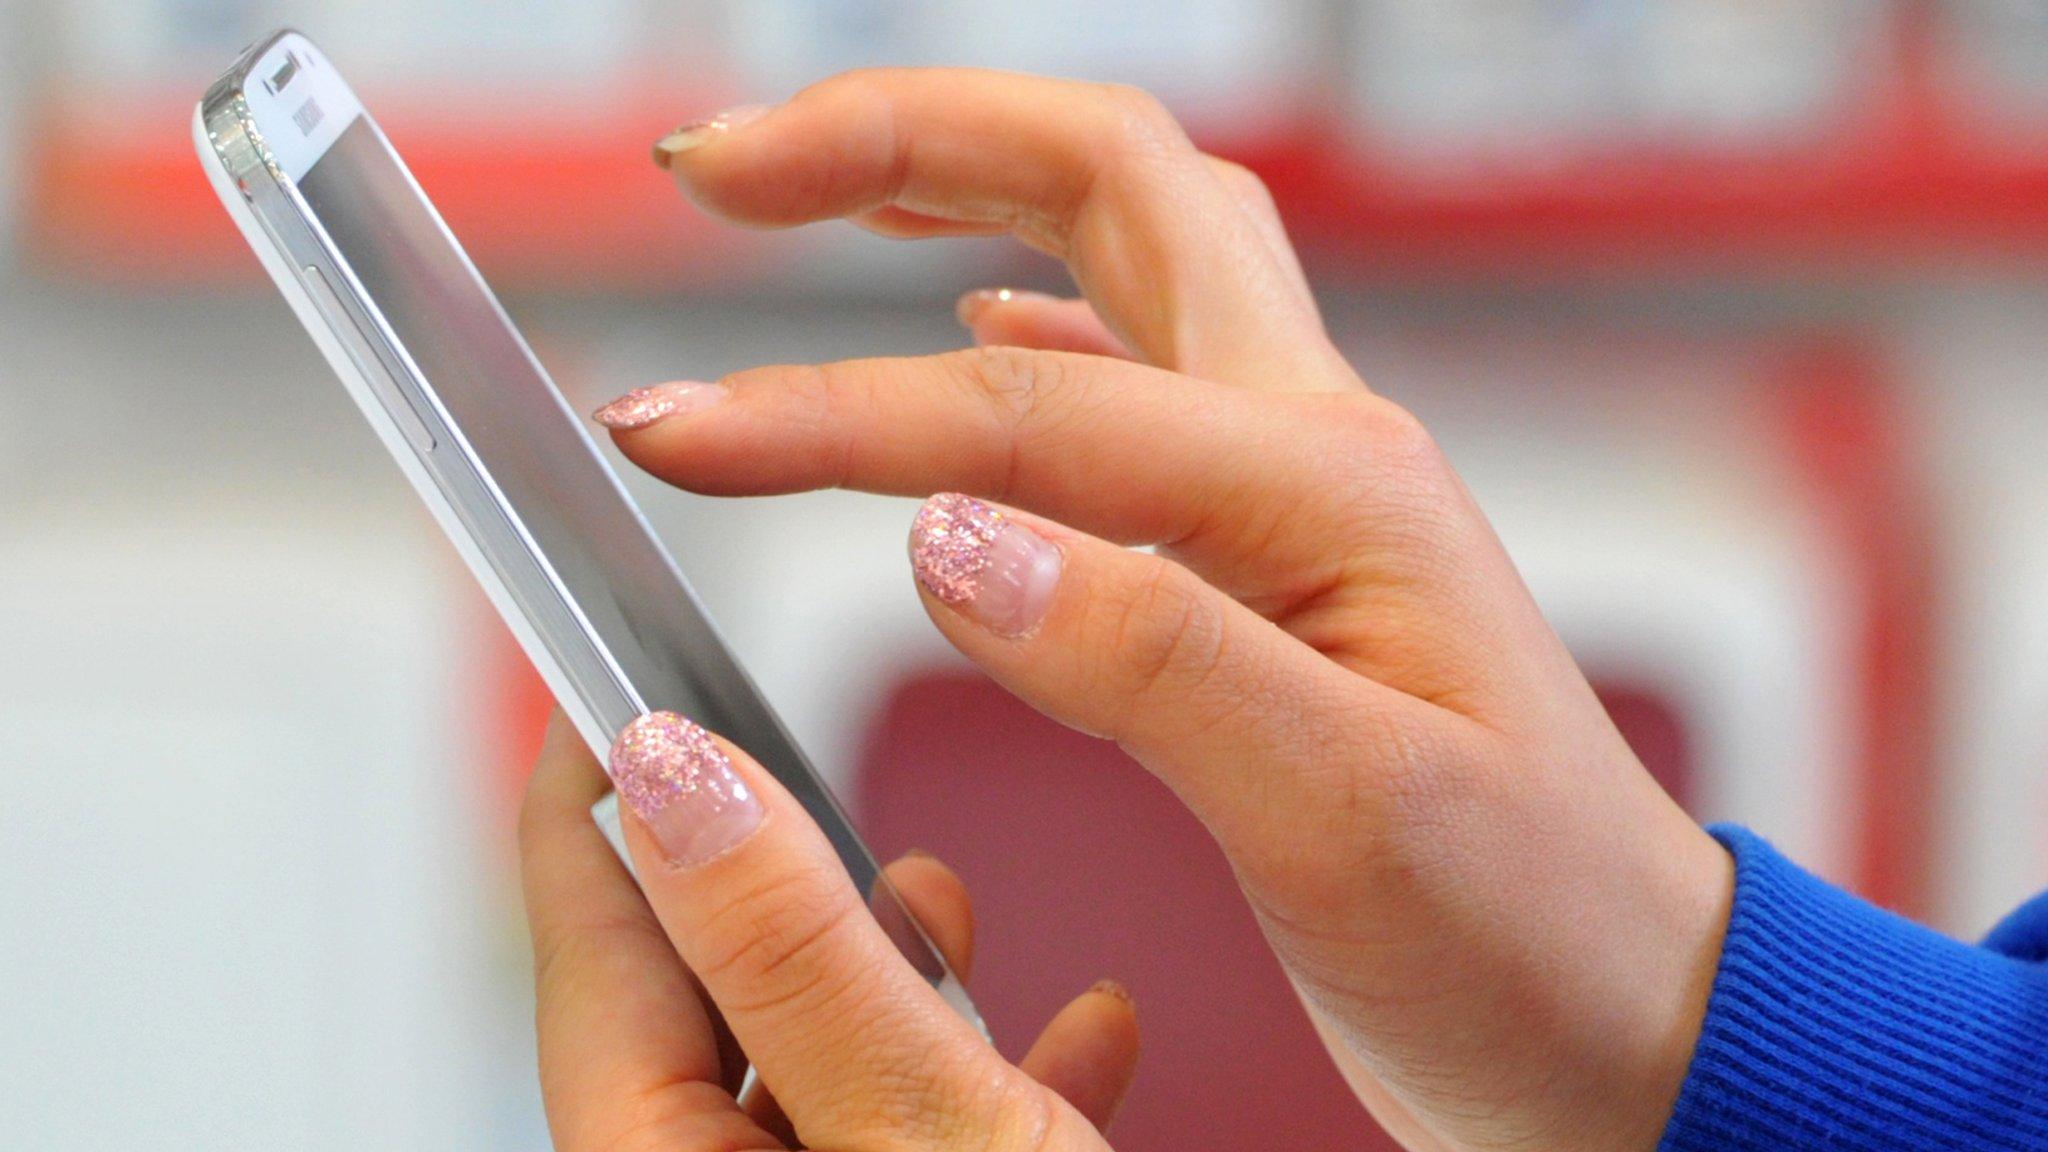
{"x": 2024, "y": 934}
{"x": 1835, "y": 1025}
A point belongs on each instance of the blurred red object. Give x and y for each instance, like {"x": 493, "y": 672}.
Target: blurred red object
{"x": 548, "y": 202}
{"x": 1083, "y": 866}
{"x": 564, "y": 198}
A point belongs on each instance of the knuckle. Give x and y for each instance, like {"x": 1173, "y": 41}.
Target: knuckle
{"x": 835, "y": 385}
{"x": 1027, "y": 1120}
{"x": 1380, "y": 424}
{"x": 1165, "y": 637}
{"x": 561, "y": 966}
{"x": 1401, "y": 437}
{"x": 1039, "y": 405}
{"x": 1013, "y": 382}
{"x": 1005, "y": 1112}
{"x": 778, "y": 943}
{"x": 1139, "y": 116}
{"x": 853, "y": 82}
{"x": 1389, "y": 484}
{"x": 854, "y": 92}
{"x": 824, "y": 407}
{"x": 945, "y": 1097}
{"x": 840, "y": 393}
{"x": 648, "y": 1118}
{"x": 1404, "y": 802}
{"x": 805, "y": 391}
{"x": 1245, "y": 182}
{"x": 571, "y": 968}
{"x": 1028, "y": 396}
{"x": 1379, "y": 447}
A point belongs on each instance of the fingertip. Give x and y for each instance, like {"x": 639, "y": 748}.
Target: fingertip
{"x": 969, "y": 307}
{"x": 1115, "y": 1011}
{"x": 938, "y": 899}
{"x": 973, "y": 306}
{"x": 646, "y": 407}
{"x": 1012, "y": 318}
{"x": 752, "y": 433}
{"x": 688, "y": 141}
{"x": 790, "y": 164}
{"x": 696, "y": 794}
{"x": 1089, "y": 1052}
{"x": 1115, "y": 991}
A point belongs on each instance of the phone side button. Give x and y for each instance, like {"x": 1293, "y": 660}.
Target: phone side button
{"x": 373, "y": 366}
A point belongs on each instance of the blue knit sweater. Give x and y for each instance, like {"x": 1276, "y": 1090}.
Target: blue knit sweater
{"x": 1835, "y": 1025}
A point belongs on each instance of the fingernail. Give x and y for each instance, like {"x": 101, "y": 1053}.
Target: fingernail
{"x": 918, "y": 854}
{"x": 1112, "y": 988}
{"x": 644, "y": 406}
{"x": 970, "y": 306}
{"x": 698, "y": 133}
{"x": 990, "y": 568}
{"x": 678, "y": 781}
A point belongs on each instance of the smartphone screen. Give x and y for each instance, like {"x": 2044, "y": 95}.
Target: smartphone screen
{"x": 517, "y": 425}
{"x": 531, "y": 446}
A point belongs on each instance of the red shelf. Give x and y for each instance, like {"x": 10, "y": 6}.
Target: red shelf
{"x": 563, "y": 204}
{"x": 566, "y": 199}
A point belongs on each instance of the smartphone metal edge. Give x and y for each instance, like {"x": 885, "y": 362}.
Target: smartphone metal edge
{"x": 242, "y": 173}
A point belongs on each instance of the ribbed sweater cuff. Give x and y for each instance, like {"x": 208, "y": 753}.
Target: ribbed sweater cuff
{"x": 1835, "y": 1025}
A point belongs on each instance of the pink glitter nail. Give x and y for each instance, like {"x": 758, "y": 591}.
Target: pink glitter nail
{"x": 988, "y": 566}
{"x": 679, "y": 782}
{"x": 949, "y": 545}
{"x": 644, "y": 406}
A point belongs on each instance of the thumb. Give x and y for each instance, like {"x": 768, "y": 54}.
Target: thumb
{"x": 858, "y": 1049}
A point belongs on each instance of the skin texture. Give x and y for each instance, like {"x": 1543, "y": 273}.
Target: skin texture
{"x": 1503, "y": 930}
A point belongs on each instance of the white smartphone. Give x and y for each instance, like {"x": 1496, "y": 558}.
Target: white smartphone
{"x": 510, "y": 472}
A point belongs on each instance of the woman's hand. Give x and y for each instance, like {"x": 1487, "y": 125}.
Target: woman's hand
{"x": 742, "y": 888}
{"x": 1503, "y": 928}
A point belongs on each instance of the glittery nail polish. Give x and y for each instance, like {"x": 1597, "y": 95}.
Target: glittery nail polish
{"x": 682, "y": 785}
{"x": 644, "y": 406}
{"x": 698, "y": 133}
{"x": 984, "y": 564}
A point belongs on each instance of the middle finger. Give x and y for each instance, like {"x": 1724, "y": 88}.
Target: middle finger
{"x": 1099, "y": 176}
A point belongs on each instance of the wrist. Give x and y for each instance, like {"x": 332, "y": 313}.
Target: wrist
{"x": 1673, "y": 985}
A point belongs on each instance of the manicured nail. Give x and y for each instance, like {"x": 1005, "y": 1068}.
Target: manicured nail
{"x": 987, "y": 566}
{"x": 1111, "y": 988}
{"x": 970, "y": 306}
{"x": 681, "y": 784}
{"x": 698, "y": 133}
{"x": 644, "y": 406}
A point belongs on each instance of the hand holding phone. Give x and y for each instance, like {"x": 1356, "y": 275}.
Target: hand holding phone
{"x": 1455, "y": 856}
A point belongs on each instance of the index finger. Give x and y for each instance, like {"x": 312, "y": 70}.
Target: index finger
{"x": 1099, "y": 176}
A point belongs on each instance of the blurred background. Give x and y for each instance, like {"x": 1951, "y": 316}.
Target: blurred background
{"x": 1734, "y": 314}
